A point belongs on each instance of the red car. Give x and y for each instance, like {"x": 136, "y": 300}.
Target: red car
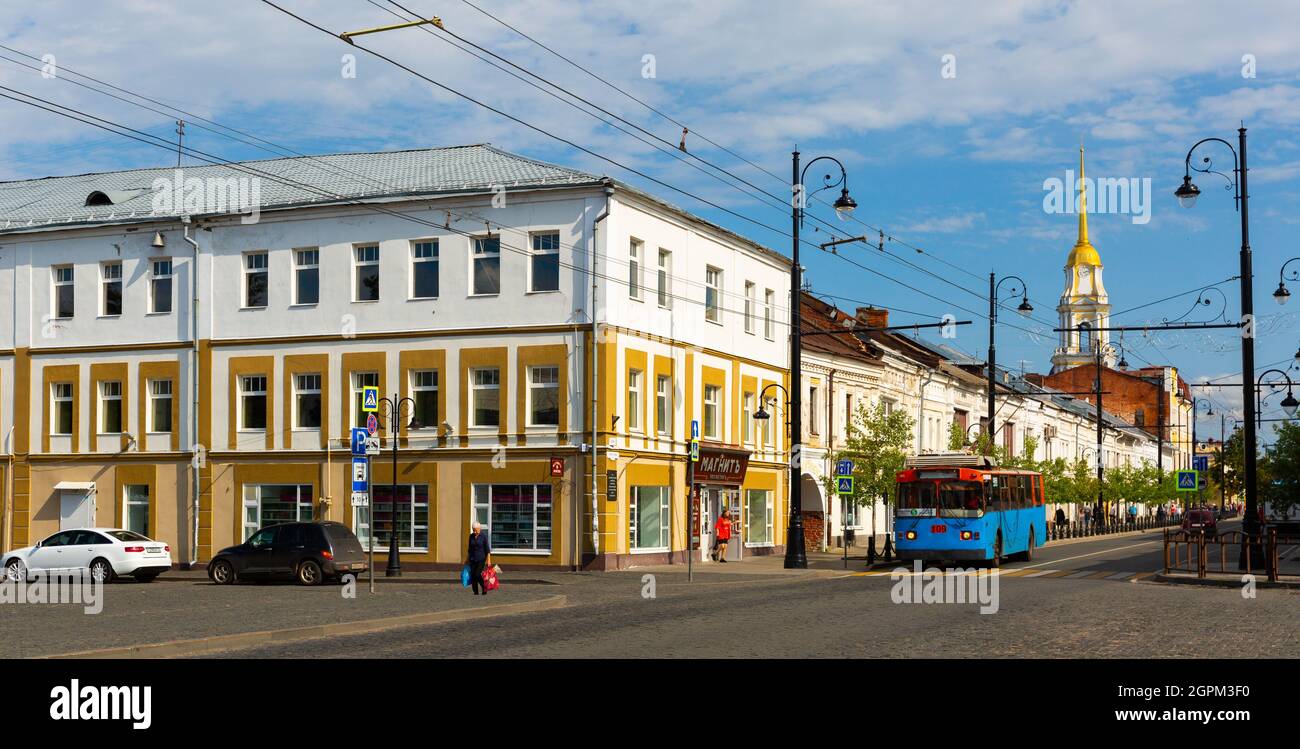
{"x": 1200, "y": 521}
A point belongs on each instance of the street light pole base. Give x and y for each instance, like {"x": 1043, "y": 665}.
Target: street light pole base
{"x": 796, "y": 557}
{"x": 394, "y": 568}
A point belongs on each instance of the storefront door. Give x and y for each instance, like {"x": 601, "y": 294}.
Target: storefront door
{"x": 713, "y": 500}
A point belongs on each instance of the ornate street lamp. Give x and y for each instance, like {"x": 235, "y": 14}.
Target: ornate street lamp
{"x": 1283, "y": 294}
{"x": 1289, "y": 404}
{"x": 795, "y": 554}
{"x": 392, "y": 414}
{"x": 1024, "y": 309}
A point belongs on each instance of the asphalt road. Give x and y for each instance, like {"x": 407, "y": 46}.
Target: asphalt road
{"x": 1079, "y": 606}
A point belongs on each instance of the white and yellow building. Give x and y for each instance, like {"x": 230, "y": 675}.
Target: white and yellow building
{"x": 194, "y": 373}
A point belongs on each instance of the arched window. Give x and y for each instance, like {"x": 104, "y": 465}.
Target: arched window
{"x": 1085, "y": 336}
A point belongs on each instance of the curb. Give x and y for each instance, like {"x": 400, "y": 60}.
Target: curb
{"x": 1160, "y": 577}
{"x": 215, "y": 643}
{"x": 378, "y": 581}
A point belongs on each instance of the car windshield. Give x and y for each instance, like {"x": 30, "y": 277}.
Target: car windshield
{"x": 128, "y": 536}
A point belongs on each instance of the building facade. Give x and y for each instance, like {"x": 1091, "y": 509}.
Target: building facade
{"x": 193, "y": 372}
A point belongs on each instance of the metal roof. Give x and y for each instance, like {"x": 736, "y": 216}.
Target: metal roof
{"x": 129, "y": 196}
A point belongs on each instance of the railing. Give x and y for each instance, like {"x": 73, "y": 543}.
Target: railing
{"x": 1191, "y": 552}
{"x": 1105, "y": 526}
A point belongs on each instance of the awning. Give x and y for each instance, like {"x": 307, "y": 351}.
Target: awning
{"x": 87, "y": 486}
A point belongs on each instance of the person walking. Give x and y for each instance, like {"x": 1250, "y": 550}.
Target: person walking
{"x": 1132, "y": 514}
{"x": 722, "y": 532}
{"x": 479, "y": 556}
{"x": 1060, "y": 518}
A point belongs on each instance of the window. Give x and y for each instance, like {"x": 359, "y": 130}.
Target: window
{"x": 412, "y": 517}
{"x": 890, "y": 404}
{"x": 252, "y": 400}
{"x": 848, "y": 411}
{"x": 1009, "y": 437}
{"x": 517, "y": 517}
{"x": 1085, "y": 336}
{"x": 544, "y": 264}
{"x": 713, "y": 295}
{"x": 306, "y": 276}
{"x": 544, "y": 396}
{"x": 665, "y": 279}
{"x": 485, "y": 393}
{"x": 769, "y": 312}
{"x": 712, "y": 393}
{"x": 648, "y": 518}
{"x": 306, "y": 396}
{"x": 634, "y": 400}
{"x": 110, "y": 407}
{"x": 255, "y": 279}
{"x": 813, "y": 414}
{"x": 111, "y": 286}
{"x": 360, "y": 381}
{"x": 664, "y": 404}
{"x": 749, "y": 306}
{"x": 160, "y": 286}
{"x": 424, "y": 391}
{"x": 61, "y": 395}
{"x": 758, "y": 518}
{"x": 160, "y": 405}
{"x": 765, "y": 425}
{"x": 366, "y": 272}
{"x": 275, "y": 504}
{"x": 487, "y": 265}
{"x": 135, "y": 508}
{"x": 63, "y": 292}
{"x": 747, "y": 419}
{"x": 424, "y": 269}
{"x": 634, "y": 259}
{"x": 1140, "y": 417}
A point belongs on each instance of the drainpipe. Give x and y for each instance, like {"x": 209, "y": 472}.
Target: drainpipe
{"x": 595, "y": 379}
{"x": 194, "y": 378}
{"x": 9, "y": 489}
{"x": 829, "y": 461}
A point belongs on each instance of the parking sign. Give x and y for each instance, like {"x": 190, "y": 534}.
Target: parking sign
{"x": 360, "y": 474}
{"x": 359, "y": 440}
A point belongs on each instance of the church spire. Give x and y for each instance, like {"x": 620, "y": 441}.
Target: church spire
{"x": 1083, "y": 202}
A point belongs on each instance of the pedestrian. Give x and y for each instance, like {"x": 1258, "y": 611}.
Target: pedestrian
{"x": 1060, "y": 518}
{"x": 1132, "y": 514}
{"x": 722, "y": 532}
{"x": 479, "y": 556}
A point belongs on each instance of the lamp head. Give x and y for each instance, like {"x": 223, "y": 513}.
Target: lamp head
{"x": 761, "y": 413}
{"x": 844, "y": 204}
{"x": 1025, "y": 307}
{"x": 1187, "y": 193}
{"x": 1289, "y": 404}
{"x": 1283, "y": 294}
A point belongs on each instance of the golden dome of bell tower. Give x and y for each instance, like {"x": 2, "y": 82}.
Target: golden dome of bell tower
{"x": 1084, "y": 306}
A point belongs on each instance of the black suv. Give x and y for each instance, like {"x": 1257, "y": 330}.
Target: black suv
{"x": 307, "y": 552}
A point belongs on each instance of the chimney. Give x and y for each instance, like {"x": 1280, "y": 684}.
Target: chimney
{"x": 874, "y": 317}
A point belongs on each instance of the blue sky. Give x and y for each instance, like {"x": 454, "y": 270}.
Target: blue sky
{"x": 951, "y": 164}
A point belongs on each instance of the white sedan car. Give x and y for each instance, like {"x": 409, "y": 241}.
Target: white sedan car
{"x": 106, "y": 552}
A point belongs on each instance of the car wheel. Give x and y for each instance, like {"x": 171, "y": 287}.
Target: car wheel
{"x": 221, "y": 572}
{"x": 16, "y": 571}
{"x": 101, "y": 571}
{"x": 309, "y": 573}
{"x": 996, "y": 561}
{"x": 1028, "y": 556}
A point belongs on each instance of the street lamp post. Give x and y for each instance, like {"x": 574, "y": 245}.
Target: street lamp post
{"x": 1025, "y": 309}
{"x": 795, "y": 555}
{"x": 394, "y": 415}
{"x": 1223, "y": 454}
{"x": 1187, "y": 194}
{"x": 1209, "y": 411}
{"x": 1101, "y": 349}
{"x": 1289, "y": 403}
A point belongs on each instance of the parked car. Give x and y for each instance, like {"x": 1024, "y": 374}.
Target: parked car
{"x": 106, "y": 553}
{"x": 306, "y": 552}
{"x": 1200, "y": 520}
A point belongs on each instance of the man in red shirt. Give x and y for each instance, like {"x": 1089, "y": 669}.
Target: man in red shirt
{"x": 722, "y": 532}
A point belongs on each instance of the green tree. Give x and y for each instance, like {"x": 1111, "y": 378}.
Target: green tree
{"x": 1280, "y": 467}
{"x": 877, "y": 443}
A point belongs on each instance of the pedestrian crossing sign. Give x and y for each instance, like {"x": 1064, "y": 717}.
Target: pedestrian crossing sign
{"x": 843, "y": 484}
{"x": 1187, "y": 481}
{"x": 369, "y": 399}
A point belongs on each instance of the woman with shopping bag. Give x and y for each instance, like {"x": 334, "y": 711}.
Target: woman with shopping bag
{"x": 479, "y": 556}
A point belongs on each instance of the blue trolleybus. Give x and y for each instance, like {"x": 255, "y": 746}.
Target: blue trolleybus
{"x": 963, "y": 507}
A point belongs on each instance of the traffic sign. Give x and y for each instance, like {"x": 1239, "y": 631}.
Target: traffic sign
{"x": 360, "y": 499}
{"x": 360, "y": 474}
{"x": 843, "y": 468}
{"x": 369, "y": 399}
{"x": 358, "y": 441}
{"x": 695, "y": 429}
{"x": 1201, "y": 462}
{"x": 695, "y": 451}
{"x": 372, "y": 445}
{"x": 843, "y": 484}
{"x": 372, "y": 423}
{"x": 1187, "y": 481}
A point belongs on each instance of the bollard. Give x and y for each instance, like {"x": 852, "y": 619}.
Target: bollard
{"x": 889, "y": 547}
{"x": 871, "y": 550}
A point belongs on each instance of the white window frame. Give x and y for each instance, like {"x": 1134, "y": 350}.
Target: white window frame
{"x": 361, "y": 521}
{"x": 713, "y": 280}
{"x": 245, "y": 391}
{"x": 154, "y": 397}
{"x": 747, "y": 420}
{"x": 418, "y": 260}
{"x": 475, "y": 387}
{"x": 360, "y": 381}
{"x": 635, "y": 406}
{"x": 105, "y": 396}
{"x": 536, "y": 252}
{"x": 305, "y": 259}
{"x": 477, "y": 253}
{"x": 128, "y": 503}
{"x": 161, "y": 269}
{"x": 56, "y": 283}
{"x": 663, "y": 496}
{"x": 636, "y": 269}
{"x": 769, "y": 314}
{"x": 534, "y": 385}
{"x": 716, "y": 405}
{"x": 769, "y": 526}
{"x": 750, "y": 303}
{"x": 664, "y": 405}
{"x": 814, "y": 413}
{"x": 256, "y": 524}
{"x": 106, "y": 280}
{"x": 57, "y": 397}
{"x": 417, "y": 386}
{"x": 486, "y": 519}
{"x": 299, "y": 380}
{"x": 664, "y": 293}
{"x": 360, "y": 261}
{"x": 256, "y": 263}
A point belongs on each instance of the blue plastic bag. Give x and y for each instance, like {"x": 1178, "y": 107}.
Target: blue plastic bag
{"x": 464, "y": 576}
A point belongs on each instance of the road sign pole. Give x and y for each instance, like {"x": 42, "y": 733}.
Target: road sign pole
{"x": 691, "y": 520}
{"x": 370, "y": 525}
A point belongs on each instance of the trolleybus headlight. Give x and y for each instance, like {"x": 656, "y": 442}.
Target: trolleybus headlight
{"x": 911, "y": 535}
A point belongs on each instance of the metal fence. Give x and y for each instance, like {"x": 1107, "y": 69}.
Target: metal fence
{"x": 1106, "y": 525}
{"x": 1200, "y": 553}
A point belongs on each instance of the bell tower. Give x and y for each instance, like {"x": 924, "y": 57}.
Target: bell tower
{"x": 1084, "y": 307}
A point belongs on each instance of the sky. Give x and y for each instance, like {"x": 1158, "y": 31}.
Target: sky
{"x": 949, "y": 117}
